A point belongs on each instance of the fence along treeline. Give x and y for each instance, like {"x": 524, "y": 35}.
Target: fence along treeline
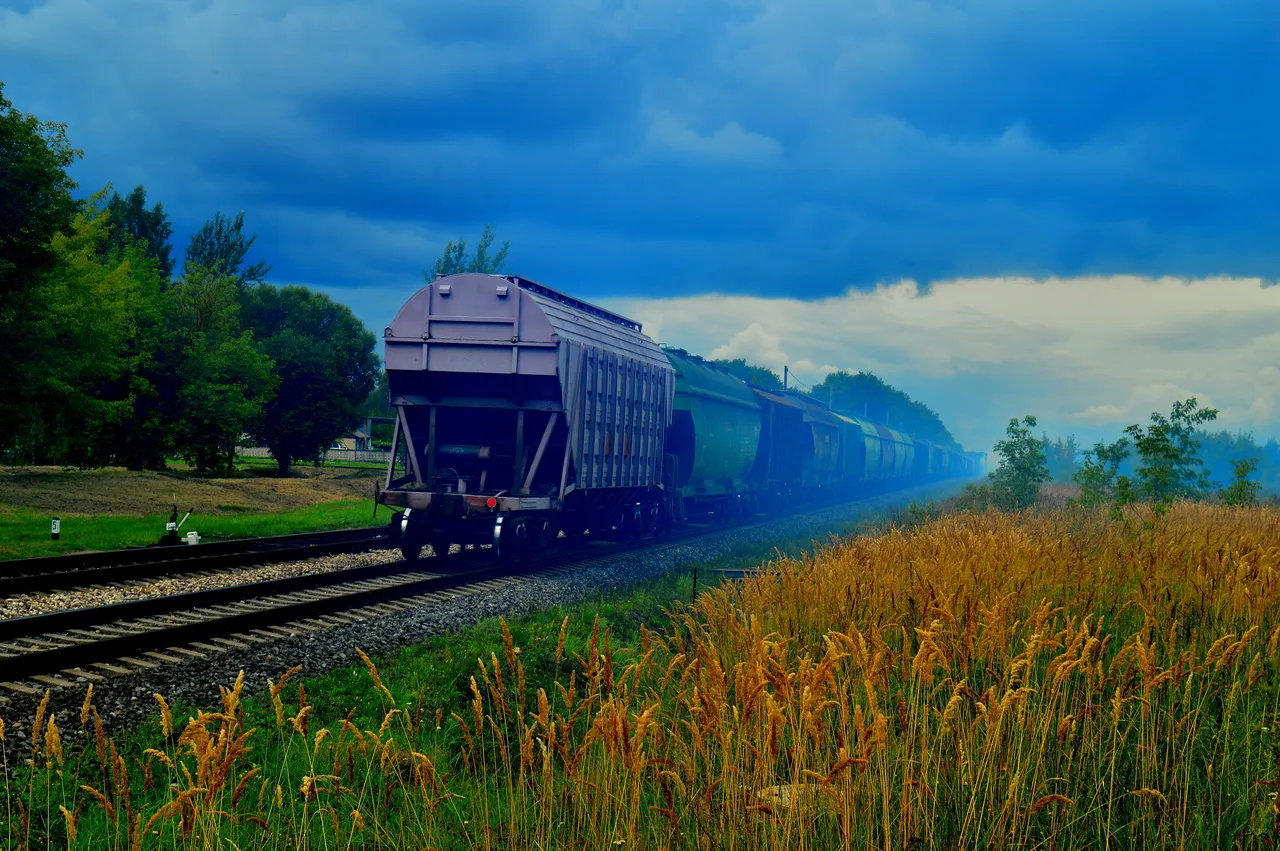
{"x": 109, "y": 359}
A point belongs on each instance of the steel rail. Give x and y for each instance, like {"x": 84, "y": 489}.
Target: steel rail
{"x": 61, "y": 651}
{"x": 56, "y": 573}
{"x": 56, "y": 641}
{"x": 66, "y": 640}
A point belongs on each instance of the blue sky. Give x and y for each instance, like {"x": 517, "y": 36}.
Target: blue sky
{"x": 728, "y": 155}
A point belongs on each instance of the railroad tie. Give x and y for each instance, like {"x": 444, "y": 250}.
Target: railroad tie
{"x": 111, "y": 669}
{"x": 81, "y": 672}
{"x": 20, "y": 688}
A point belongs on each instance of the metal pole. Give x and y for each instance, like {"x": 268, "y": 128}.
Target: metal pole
{"x": 785, "y": 371}
{"x": 517, "y": 472}
{"x": 431, "y": 447}
{"x": 537, "y": 456}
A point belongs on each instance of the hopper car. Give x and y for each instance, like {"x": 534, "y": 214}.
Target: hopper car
{"x": 522, "y": 414}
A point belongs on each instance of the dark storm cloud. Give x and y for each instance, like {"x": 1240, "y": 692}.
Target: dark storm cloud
{"x": 782, "y": 146}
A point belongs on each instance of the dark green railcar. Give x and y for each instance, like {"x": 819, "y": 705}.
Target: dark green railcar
{"x": 715, "y": 430}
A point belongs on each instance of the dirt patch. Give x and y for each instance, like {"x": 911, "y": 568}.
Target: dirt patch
{"x": 119, "y": 491}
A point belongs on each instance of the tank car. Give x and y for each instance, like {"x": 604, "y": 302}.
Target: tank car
{"x": 521, "y": 412}
{"x": 712, "y": 442}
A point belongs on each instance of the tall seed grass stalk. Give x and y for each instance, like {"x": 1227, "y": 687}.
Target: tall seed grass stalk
{"x": 1049, "y": 680}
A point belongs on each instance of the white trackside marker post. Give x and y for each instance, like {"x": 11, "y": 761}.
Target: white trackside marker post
{"x": 57, "y": 529}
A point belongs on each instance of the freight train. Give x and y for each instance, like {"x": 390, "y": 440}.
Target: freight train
{"x": 522, "y": 413}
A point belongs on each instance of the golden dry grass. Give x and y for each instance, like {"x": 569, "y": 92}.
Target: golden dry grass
{"x": 1050, "y": 680}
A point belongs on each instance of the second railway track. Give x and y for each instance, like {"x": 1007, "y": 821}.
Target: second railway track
{"x": 60, "y": 573}
{"x": 88, "y": 644}
{"x": 56, "y": 648}
{"x": 91, "y": 642}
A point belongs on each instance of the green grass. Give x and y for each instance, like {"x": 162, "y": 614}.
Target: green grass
{"x": 270, "y": 464}
{"x": 425, "y": 679}
{"x": 25, "y": 533}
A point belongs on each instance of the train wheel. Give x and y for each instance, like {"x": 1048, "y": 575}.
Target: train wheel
{"x": 441, "y": 547}
{"x": 653, "y": 520}
{"x": 406, "y": 529}
{"x": 629, "y": 524}
{"x": 510, "y": 538}
{"x": 544, "y": 534}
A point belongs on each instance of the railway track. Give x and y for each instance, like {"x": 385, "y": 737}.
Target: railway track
{"x": 59, "y": 648}
{"x": 60, "y": 573}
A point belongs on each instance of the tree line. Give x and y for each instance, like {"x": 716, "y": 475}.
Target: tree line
{"x": 114, "y": 354}
{"x": 1219, "y": 452}
{"x": 1157, "y": 465}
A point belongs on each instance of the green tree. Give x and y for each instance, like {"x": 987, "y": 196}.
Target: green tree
{"x": 378, "y": 402}
{"x": 220, "y": 247}
{"x": 1168, "y": 449}
{"x": 454, "y": 260}
{"x": 325, "y": 365}
{"x": 865, "y": 393}
{"x": 35, "y": 204}
{"x": 766, "y": 379}
{"x": 1242, "y": 490}
{"x": 131, "y": 220}
{"x": 222, "y": 380}
{"x": 1016, "y": 482}
{"x": 74, "y": 348}
{"x": 1060, "y": 455}
{"x": 1096, "y": 476}
{"x": 1219, "y": 451}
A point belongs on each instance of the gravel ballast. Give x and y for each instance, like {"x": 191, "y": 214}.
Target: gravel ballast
{"x": 24, "y": 605}
{"x": 127, "y": 699}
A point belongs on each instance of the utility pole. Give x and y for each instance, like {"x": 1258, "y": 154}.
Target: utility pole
{"x": 785, "y": 370}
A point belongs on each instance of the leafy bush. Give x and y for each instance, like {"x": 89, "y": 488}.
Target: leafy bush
{"x": 1171, "y": 467}
{"x": 974, "y": 498}
{"x": 1242, "y": 491}
{"x": 1097, "y": 475}
{"x": 1016, "y": 482}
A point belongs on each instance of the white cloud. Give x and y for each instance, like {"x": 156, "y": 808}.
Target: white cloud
{"x": 731, "y": 142}
{"x": 1086, "y": 355}
{"x": 756, "y": 345}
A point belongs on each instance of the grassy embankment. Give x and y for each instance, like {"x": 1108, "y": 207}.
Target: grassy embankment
{"x": 111, "y": 509}
{"x": 25, "y": 533}
{"x": 997, "y": 681}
